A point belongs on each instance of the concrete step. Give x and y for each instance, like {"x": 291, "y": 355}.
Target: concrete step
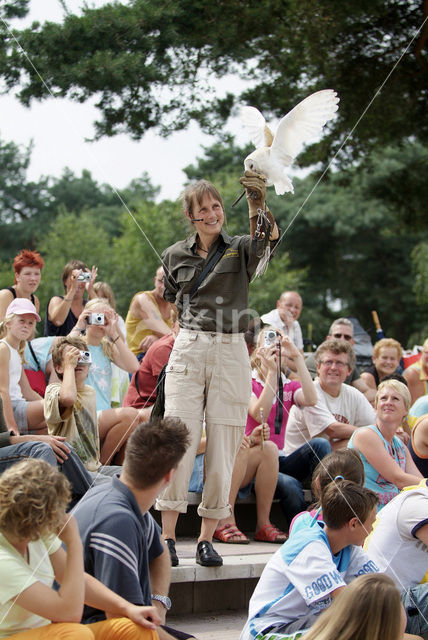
{"x": 224, "y": 625}
{"x": 196, "y": 589}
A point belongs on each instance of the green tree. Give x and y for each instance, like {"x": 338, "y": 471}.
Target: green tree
{"x": 151, "y": 63}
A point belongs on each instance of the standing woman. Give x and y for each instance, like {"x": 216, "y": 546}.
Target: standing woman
{"x": 208, "y": 374}
{"x": 388, "y": 464}
{"x": 28, "y": 267}
{"x": 63, "y": 311}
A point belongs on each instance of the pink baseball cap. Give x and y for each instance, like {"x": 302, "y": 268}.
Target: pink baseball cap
{"x": 21, "y": 306}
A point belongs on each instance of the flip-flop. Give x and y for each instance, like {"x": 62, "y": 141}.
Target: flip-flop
{"x": 227, "y": 531}
{"x": 270, "y": 533}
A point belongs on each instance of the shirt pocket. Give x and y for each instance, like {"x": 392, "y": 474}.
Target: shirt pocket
{"x": 185, "y": 274}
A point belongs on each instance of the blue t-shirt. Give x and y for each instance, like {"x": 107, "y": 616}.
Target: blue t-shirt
{"x": 99, "y": 377}
{"x": 300, "y": 577}
{"x": 119, "y": 542}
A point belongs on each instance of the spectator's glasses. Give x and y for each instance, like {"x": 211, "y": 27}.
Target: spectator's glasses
{"x": 331, "y": 363}
{"x": 342, "y": 336}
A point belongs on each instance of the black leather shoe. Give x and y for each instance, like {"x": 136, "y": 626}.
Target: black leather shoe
{"x": 207, "y": 556}
{"x": 172, "y": 552}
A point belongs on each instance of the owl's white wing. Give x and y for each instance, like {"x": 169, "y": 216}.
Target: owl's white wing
{"x": 303, "y": 124}
{"x": 254, "y": 122}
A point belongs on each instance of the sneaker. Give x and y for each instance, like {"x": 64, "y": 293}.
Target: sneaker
{"x": 172, "y": 552}
{"x": 207, "y": 556}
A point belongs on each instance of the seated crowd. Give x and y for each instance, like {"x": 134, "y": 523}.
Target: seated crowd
{"x": 91, "y": 441}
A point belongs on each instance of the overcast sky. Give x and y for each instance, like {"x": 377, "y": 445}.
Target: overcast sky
{"x": 59, "y": 127}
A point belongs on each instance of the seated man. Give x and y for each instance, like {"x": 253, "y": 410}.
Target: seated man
{"x": 417, "y": 375}
{"x": 148, "y": 317}
{"x": 122, "y": 545}
{"x": 285, "y": 317}
{"x": 398, "y": 545}
{"x": 343, "y": 329}
{"x": 340, "y": 408}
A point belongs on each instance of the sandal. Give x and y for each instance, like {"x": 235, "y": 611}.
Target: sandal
{"x": 227, "y": 531}
{"x": 270, "y": 533}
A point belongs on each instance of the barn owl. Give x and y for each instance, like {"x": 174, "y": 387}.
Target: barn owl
{"x": 276, "y": 152}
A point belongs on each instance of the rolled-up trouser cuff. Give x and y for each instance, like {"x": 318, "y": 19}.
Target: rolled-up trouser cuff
{"x": 171, "y": 505}
{"x": 215, "y": 514}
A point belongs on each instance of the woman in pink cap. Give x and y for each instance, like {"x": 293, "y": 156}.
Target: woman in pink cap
{"x": 22, "y": 407}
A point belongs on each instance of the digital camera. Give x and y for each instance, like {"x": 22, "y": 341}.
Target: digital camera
{"x": 84, "y": 277}
{"x": 96, "y": 318}
{"x": 270, "y": 338}
{"x": 84, "y": 358}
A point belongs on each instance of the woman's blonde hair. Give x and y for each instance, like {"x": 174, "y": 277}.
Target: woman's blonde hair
{"x": 3, "y": 333}
{"x": 104, "y": 290}
{"x": 399, "y": 387}
{"x": 106, "y": 345}
{"x": 255, "y": 360}
{"x": 33, "y": 499}
{"x": 367, "y": 609}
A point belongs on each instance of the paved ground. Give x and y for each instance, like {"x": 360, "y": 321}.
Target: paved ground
{"x": 211, "y": 626}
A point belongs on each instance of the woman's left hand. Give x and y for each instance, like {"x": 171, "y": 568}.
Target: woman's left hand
{"x": 110, "y": 319}
{"x": 90, "y": 285}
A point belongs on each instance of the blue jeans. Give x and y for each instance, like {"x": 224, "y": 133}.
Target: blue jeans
{"x": 415, "y": 601}
{"x": 293, "y": 470}
{"x": 72, "y": 468}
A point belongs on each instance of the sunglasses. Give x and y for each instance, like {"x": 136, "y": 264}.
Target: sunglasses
{"x": 342, "y": 336}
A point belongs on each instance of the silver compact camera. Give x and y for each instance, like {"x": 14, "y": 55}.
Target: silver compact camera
{"x": 84, "y": 277}
{"x": 84, "y": 357}
{"x": 96, "y": 318}
{"x": 270, "y": 338}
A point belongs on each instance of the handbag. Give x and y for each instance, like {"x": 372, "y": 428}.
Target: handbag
{"x": 37, "y": 378}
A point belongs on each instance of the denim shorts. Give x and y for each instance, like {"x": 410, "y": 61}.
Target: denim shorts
{"x": 20, "y": 414}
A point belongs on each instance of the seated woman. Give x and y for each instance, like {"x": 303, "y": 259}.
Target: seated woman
{"x": 386, "y": 359}
{"x": 28, "y": 267}
{"x": 388, "y": 464}
{"x": 33, "y": 526}
{"x": 23, "y": 407}
{"x": 106, "y": 345}
{"x": 418, "y": 445}
{"x": 298, "y": 466}
{"x": 62, "y": 311}
{"x": 369, "y": 609}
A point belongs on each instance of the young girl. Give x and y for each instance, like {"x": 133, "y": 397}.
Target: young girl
{"x": 106, "y": 345}
{"x": 305, "y": 575}
{"x": 344, "y": 464}
{"x": 368, "y": 609}
{"x": 33, "y": 524}
{"x": 22, "y": 407}
{"x": 298, "y": 466}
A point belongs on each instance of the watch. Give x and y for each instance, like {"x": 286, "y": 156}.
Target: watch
{"x": 166, "y": 601}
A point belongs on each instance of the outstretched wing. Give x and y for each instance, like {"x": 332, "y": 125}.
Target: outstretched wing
{"x": 302, "y": 124}
{"x": 254, "y": 122}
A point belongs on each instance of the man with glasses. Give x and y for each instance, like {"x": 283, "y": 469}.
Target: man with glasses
{"x": 340, "y": 408}
{"x": 343, "y": 329}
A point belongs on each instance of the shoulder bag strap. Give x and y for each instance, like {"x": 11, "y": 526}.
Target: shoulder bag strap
{"x": 39, "y": 368}
{"x": 208, "y": 268}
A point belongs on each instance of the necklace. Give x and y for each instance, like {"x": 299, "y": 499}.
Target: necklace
{"x": 200, "y": 249}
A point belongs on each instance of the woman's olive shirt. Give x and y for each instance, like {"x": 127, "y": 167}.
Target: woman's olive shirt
{"x": 221, "y": 301}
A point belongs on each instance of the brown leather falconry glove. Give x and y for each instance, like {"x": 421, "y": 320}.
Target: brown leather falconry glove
{"x": 255, "y": 191}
